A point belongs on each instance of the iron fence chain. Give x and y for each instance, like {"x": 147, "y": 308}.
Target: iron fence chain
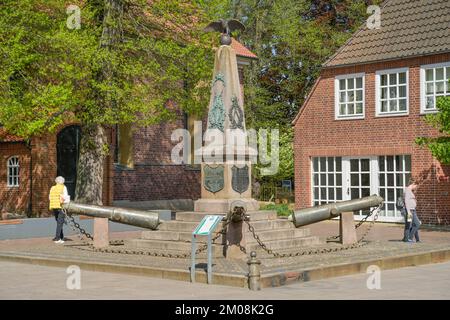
{"x": 314, "y": 251}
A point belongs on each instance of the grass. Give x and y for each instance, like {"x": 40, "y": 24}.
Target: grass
{"x": 281, "y": 209}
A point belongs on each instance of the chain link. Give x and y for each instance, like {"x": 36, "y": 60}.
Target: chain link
{"x": 162, "y": 254}
{"x": 314, "y": 251}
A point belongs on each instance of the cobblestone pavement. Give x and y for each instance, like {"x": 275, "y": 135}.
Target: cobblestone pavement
{"x": 42, "y": 282}
{"x": 384, "y": 242}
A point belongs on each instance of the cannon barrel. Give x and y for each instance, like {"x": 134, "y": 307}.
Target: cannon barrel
{"x": 307, "y": 216}
{"x": 137, "y": 218}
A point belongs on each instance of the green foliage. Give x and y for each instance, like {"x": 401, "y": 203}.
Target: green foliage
{"x": 292, "y": 39}
{"x": 440, "y": 146}
{"x": 51, "y": 74}
{"x": 281, "y": 209}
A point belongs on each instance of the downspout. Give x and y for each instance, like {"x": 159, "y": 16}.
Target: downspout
{"x": 30, "y": 200}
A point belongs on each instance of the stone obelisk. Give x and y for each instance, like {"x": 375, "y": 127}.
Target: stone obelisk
{"x": 226, "y": 162}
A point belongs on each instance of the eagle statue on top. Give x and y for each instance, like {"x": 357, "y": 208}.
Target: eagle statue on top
{"x": 225, "y": 27}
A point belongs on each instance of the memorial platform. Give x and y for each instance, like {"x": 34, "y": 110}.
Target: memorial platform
{"x": 383, "y": 249}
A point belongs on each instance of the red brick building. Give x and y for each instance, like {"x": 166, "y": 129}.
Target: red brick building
{"x": 354, "y": 135}
{"x": 139, "y": 167}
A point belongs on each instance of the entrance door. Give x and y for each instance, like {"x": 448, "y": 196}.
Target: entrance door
{"x": 67, "y": 149}
{"x": 360, "y": 179}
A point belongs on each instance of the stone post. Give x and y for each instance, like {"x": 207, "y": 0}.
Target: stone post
{"x": 254, "y": 272}
{"x": 347, "y": 228}
{"x": 101, "y": 232}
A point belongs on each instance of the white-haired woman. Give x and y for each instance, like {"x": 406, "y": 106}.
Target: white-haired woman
{"x": 58, "y": 194}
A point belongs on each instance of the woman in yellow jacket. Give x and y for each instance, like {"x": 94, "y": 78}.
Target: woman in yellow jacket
{"x": 58, "y": 193}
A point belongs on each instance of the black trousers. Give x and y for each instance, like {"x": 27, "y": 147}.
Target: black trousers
{"x": 59, "y": 217}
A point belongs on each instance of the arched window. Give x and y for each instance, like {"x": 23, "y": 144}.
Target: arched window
{"x": 13, "y": 172}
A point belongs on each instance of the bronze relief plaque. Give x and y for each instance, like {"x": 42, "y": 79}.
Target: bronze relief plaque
{"x": 240, "y": 179}
{"x": 213, "y": 178}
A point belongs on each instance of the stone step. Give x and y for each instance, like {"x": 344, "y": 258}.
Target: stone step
{"x": 198, "y": 216}
{"x": 264, "y": 235}
{"x": 189, "y": 226}
{"x": 279, "y": 234}
{"x": 166, "y": 246}
{"x": 287, "y": 243}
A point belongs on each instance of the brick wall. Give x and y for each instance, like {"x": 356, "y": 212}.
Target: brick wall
{"x": 317, "y": 133}
{"x": 15, "y": 199}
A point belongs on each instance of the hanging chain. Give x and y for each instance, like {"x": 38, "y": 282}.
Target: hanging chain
{"x": 162, "y": 254}
{"x": 70, "y": 220}
{"x": 314, "y": 251}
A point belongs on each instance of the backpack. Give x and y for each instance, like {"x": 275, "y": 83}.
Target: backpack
{"x": 401, "y": 205}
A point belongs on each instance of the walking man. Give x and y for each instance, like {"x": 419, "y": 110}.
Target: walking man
{"x": 58, "y": 194}
{"x": 410, "y": 204}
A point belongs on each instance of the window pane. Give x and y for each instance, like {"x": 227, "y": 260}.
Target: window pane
{"x": 429, "y": 75}
{"x": 365, "y": 179}
{"x": 342, "y": 84}
{"x": 439, "y": 74}
{"x": 354, "y": 193}
{"x": 383, "y": 106}
{"x": 402, "y": 104}
{"x": 351, "y": 96}
{"x": 330, "y": 193}
{"x": 408, "y": 163}
{"x": 331, "y": 179}
{"x": 447, "y": 73}
{"x": 342, "y": 109}
{"x": 430, "y": 88}
{"x": 390, "y": 195}
{"x": 390, "y": 179}
{"x": 402, "y": 91}
{"x": 338, "y": 164}
{"x": 399, "y": 180}
{"x": 323, "y": 193}
{"x": 338, "y": 193}
{"x": 359, "y": 108}
{"x": 399, "y": 163}
{"x": 392, "y": 79}
{"x": 354, "y": 165}
{"x": 354, "y": 178}
{"x": 384, "y": 79}
{"x": 392, "y": 92}
{"x": 402, "y": 78}
{"x": 365, "y": 165}
{"x": 323, "y": 179}
{"x": 390, "y": 163}
{"x": 351, "y": 108}
{"x": 342, "y": 97}
{"x": 316, "y": 193}
{"x": 381, "y": 163}
{"x": 365, "y": 192}
{"x": 359, "y": 83}
{"x": 392, "y": 105}
{"x": 384, "y": 93}
{"x": 339, "y": 179}
{"x": 382, "y": 180}
{"x": 350, "y": 83}
{"x": 323, "y": 164}
{"x": 383, "y": 193}
{"x": 430, "y": 103}
{"x": 359, "y": 94}
{"x": 316, "y": 179}
{"x": 330, "y": 164}
{"x": 315, "y": 164}
{"x": 440, "y": 87}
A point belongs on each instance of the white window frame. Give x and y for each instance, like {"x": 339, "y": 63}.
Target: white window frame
{"x": 15, "y": 177}
{"x": 423, "y": 102}
{"x": 337, "y": 116}
{"x": 378, "y": 74}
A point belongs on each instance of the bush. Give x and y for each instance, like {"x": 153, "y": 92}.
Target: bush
{"x": 281, "y": 209}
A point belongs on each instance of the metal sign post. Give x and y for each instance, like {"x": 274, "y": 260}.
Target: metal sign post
{"x": 205, "y": 228}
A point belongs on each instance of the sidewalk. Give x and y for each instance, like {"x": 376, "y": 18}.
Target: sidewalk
{"x": 384, "y": 249}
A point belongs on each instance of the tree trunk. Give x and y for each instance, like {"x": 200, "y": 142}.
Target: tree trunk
{"x": 91, "y": 162}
